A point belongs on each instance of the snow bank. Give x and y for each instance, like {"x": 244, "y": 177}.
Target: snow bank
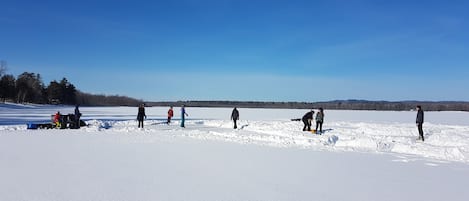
{"x": 443, "y": 142}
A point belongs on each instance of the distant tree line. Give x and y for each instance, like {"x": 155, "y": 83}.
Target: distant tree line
{"x": 103, "y": 100}
{"x": 29, "y": 88}
{"x": 336, "y": 105}
{"x": 395, "y": 105}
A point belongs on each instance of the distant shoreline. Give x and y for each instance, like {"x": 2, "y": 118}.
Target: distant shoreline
{"x": 336, "y": 105}
{"x": 329, "y": 105}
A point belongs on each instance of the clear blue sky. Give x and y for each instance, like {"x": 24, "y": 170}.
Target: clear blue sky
{"x": 282, "y": 50}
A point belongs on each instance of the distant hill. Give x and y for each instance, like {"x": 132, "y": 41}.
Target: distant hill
{"x": 336, "y": 105}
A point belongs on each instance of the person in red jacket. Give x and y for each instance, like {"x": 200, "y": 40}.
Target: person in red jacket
{"x": 57, "y": 119}
{"x": 170, "y": 114}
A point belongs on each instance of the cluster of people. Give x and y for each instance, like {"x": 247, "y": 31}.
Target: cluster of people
{"x": 307, "y": 119}
{"x": 141, "y": 115}
{"x": 59, "y": 119}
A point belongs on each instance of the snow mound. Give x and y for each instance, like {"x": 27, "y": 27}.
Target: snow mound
{"x": 443, "y": 142}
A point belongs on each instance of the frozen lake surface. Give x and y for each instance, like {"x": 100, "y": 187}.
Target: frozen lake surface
{"x": 363, "y": 155}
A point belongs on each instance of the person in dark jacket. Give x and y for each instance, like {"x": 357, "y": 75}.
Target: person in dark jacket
{"x": 77, "y": 117}
{"x": 307, "y": 118}
{"x": 235, "y": 117}
{"x": 419, "y": 122}
{"x": 319, "y": 120}
{"x": 141, "y": 114}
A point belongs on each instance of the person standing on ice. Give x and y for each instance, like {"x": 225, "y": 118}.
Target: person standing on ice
{"x": 77, "y": 117}
{"x": 419, "y": 122}
{"x": 141, "y": 114}
{"x": 57, "y": 118}
{"x": 170, "y": 114}
{"x": 307, "y": 118}
{"x": 319, "y": 120}
{"x": 235, "y": 117}
{"x": 183, "y": 115}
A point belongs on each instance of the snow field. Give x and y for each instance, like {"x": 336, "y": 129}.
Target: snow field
{"x": 268, "y": 158}
{"x": 356, "y": 131}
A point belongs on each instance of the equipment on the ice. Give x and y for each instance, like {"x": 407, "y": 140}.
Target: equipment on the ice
{"x": 61, "y": 122}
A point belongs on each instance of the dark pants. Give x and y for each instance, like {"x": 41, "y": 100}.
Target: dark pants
{"x": 307, "y": 125}
{"x": 319, "y": 123}
{"x": 77, "y": 121}
{"x": 140, "y": 123}
{"x": 235, "y": 126}
{"x": 419, "y": 127}
{"x": 169, "y": 120}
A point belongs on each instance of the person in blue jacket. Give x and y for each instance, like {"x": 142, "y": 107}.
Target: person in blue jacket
{"x": 183, "y": 115}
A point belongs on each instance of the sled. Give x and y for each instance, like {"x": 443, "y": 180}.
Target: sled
{"x": 33, "y": 126}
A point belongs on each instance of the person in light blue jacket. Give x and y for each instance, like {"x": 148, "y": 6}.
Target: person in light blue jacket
{"x": 183, "y": 115}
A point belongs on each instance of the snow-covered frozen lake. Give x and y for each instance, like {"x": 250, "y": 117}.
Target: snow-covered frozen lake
{"x": 363, "y": 155}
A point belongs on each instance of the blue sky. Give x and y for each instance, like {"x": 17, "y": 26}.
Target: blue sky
{"x": 244, "y": 50}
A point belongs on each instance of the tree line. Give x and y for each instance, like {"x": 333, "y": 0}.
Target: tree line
{"x": 331, "y": 105}
{"x": 29, "y": 88}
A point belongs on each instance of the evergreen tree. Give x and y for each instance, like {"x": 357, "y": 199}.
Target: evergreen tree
{"x": 54, "y": 92}
{"x": 7, "y": 87}
{"x": 30, "y": 88}
{"x": 68, "y": 92}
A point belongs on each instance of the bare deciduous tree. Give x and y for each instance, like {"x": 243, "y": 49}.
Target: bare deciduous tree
{"x": 3, "y": 67}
